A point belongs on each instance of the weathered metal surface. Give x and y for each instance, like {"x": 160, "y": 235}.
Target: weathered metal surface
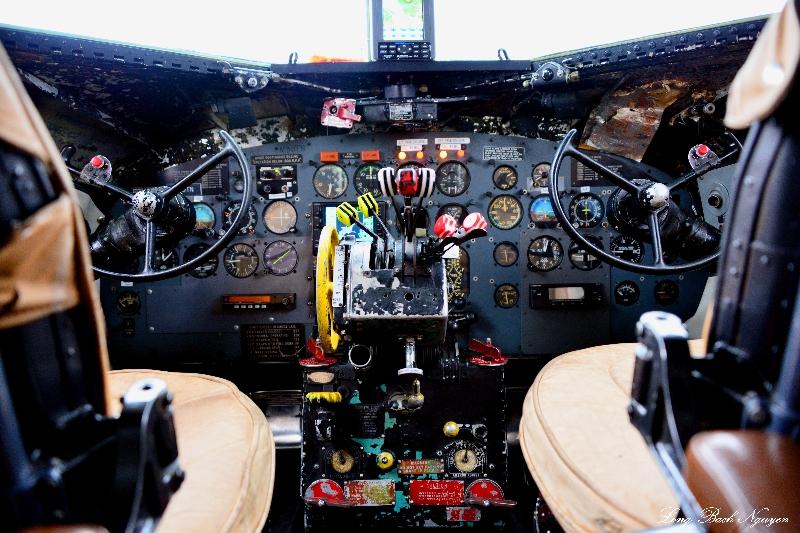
{"x": 627, "y": 118}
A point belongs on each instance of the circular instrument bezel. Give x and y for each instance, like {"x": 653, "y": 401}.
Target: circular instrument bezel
{"x": 229, "y": 214}
{"x": 198, "y": 271}
{"x": 597, "y": 216}
{"x": 540, "y": 174}
{"x": 575, "y": 246}
{"x": 442, "y": 175}
{"x": 542, "y": 223}
{"x": 628, "y": 284}
{"x": 200, "y": 230}
{"x": 292, "y": 255}
{"x": 505, "y": 177}
{"x": 271, "y": 207}
{"x": 505, "y": 262}
{"x": 517, "y": 218}
{"x": 322, "y": 173}
{"x": 444, "y": 209}
{"x": 234, "y": 248}
{"x": 504, "y": 288}
{"x": 537, "y": 263}
{"x": 374, "y": 186}
{"x": 638, "y": 254}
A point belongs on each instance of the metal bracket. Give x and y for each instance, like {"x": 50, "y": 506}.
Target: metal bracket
{"x": 249, "y": 80}
{"x": 662, "y": 362}
{"x": 552, "y": 73}
{"x": 147, "y": 472}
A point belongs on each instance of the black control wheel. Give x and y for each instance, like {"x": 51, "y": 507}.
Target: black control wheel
{"x": 649, "y": 198}
{"x": 152, "y": 208}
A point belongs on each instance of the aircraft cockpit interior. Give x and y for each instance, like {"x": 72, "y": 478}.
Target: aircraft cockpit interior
{"x": 402, "y": 292}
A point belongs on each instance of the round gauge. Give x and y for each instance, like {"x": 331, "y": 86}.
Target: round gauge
{"x": 626, "y": 293}
{"x": 465, "y": 457}
{"x": 583, "y": 258}
{"x": 280, "y": 258}
{"x": 330, "y": 181}
{"x": 204, "y": 270}
{"x": 544, "y": 254}
{"x": 342, "y": 461}
{"x": 506, "y": 254}
{"x": 586, "y": 210}
{"x": 627, "y": 248}
{"x": 280, "y": 217}
{"x": 505, "y": 211}
{"x": 541, "y": 212}
{"x": 457, "y": 211}
{"x": 249, "y": 223}
{"x": 506, "y": 296}
{"x": 204, "y": 219}
{"x": 541, "y": 175}
{"x": 666, "y": 292}
{"x": 457, "y": 274}
{"x": 505, "y": 177}
{"x": 366, "y": 179}
{"x": 165, "y": 259}
{"x": 128, "y": 303}
{"x": 452, "y": 178}
{"x": 240, "y": 260}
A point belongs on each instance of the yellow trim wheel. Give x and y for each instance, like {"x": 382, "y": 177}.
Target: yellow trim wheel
{"x": 326, "y": 252}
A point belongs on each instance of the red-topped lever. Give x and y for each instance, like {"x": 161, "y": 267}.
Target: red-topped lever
{"x": 489, "y": 354}
{"x": 445, "y": 226}
{"x": 318, "y": 357}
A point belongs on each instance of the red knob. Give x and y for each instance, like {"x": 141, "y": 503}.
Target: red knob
{"x": 474, "y": 221}
{"x": 407, "y": 181}
{"x": 445, "y": 226}
{"x": 702, "y": 150}
{"x": 97, "y": 162}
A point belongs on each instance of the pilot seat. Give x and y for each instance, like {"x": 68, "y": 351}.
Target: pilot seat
{"x": 70, "y": 453}
{"x": 591, "y": 464}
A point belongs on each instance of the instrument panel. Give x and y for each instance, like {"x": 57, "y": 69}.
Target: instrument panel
{"x": 533, "y": 290}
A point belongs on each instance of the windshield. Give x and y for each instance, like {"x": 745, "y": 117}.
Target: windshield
{"x": 268, "y": 31}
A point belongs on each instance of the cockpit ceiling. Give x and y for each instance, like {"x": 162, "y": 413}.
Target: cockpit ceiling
{"x": 156, "y": 96}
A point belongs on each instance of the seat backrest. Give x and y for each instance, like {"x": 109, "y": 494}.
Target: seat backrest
{"x": 53, "y": 359}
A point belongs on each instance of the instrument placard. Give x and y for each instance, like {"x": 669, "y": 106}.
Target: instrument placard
{"x": 272, "y": 342}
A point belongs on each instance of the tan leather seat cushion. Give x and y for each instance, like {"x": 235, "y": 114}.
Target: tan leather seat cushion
{"x": 225, "y": 447}
{"x": 591, "y": 464}
{"x": 767, "y": 75}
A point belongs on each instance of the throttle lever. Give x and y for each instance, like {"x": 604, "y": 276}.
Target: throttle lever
{"x": 323, "y": 502}
{"x": 489, "y": 502}
{"x": 489, "y": 354}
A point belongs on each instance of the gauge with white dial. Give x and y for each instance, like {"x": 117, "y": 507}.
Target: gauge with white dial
{"x": 330, "y": 181}
{"x": 280, "y": 217}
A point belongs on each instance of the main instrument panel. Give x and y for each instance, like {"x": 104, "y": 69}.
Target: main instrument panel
{"x": 530, "y": 288}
